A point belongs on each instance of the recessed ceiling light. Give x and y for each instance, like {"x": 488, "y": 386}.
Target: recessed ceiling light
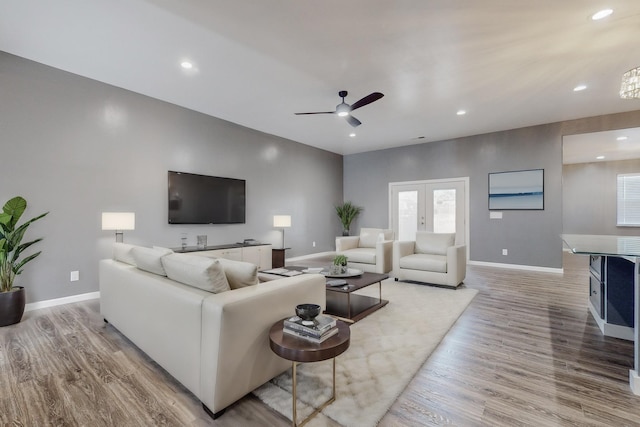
{"x": 601, "y": 14}
{"x": 352, "y": 135}
{"x": 186, "y": 65}
{"x": 621, "y": 138}
{"x": 579, "y": 88}
{"x": 600, "y": 158}
{"x": 461, "y": 112}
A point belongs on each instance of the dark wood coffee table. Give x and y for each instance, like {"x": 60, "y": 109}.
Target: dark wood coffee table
{"x": 341, "y": 300}
{"x": 300, "y": 350}
{"x": 343, "y": 303}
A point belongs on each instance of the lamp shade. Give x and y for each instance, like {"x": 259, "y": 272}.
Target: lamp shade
{"x": 118, "y": 220}
{"x": 282, "y": 221}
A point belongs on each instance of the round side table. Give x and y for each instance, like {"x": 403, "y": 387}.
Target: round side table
{"x": 300, "y": 350}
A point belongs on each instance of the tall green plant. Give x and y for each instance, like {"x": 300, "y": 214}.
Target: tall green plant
{"x": 347, "y": 212}
{"x": 11, "y": 246}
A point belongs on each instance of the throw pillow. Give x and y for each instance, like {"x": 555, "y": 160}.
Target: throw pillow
{"x": 122, "y": 253}
{"x": 197, "y": 271}
{"x": 433, "y": 243}
{"x": 239, "y": 273}
{"x": 148, "y": 259}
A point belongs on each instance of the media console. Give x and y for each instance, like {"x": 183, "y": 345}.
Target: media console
{"x": 258, "y": 254}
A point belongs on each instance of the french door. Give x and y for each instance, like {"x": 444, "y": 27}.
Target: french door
{"x": 439, "y": 206}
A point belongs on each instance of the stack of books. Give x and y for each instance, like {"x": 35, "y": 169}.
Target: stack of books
{"x": 318, "y": 330}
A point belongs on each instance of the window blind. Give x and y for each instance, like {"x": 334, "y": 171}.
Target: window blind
{"x": 628, "y": 200}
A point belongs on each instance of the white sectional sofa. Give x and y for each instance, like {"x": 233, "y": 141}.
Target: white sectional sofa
{"x": 215, "y": 344}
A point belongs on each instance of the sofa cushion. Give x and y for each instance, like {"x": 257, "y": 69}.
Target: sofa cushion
{"x": 149, "y": 259}
{"x": 162, "y": 248}
{"x": 369, "y": 237}
{"x": 239, "y": 273}
{"x": 424, "y": 262}
{"x": 433, "y": 243}
{"x": 362, "y": 255}
{"x": 122, "y": 253}
{"x": 197, "y": 271}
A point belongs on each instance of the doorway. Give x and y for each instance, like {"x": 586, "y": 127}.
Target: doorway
{"x": 440, "y": 206}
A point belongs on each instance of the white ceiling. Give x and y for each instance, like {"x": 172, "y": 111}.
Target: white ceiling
{"x": 509, "y": 64}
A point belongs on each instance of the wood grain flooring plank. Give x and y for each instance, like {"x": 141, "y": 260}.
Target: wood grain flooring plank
{"x": 526, "y": 352}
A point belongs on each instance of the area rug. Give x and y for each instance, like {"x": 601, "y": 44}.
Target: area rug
{"x": 387, "y": 348}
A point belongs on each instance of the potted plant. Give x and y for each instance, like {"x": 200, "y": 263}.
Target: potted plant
{"x": 12, "y": 299}
{"x": 347, "y": 212}
{"x": 339, "y": 265}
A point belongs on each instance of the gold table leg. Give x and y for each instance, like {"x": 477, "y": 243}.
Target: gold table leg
{"x": 324, "y": 405}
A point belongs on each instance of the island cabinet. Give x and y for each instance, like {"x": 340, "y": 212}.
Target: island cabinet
{"x": 614, "y": 288}
{"x": 611, "y": 294}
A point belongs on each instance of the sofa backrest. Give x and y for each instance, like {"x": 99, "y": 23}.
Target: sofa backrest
{"x": 433, "y": 243}
{"x": 370, "y": 236}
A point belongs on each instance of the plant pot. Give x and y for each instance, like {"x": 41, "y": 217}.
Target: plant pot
{"x": 345, "y": 232}
{"x": 338, "y": 269}
{"x": 12, "y": 306}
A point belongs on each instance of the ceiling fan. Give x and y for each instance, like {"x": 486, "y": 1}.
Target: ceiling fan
{"x": 344, "y": 110}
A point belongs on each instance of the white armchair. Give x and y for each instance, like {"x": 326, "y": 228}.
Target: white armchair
{"x": 370, "y": 251}
{"x": 431, "y": 258}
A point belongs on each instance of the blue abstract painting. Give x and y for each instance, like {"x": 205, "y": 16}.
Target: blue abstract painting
{"x": 516, "y": 190}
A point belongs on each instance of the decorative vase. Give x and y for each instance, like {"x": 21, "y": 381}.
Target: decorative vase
{"x": 338, "y": 269}
{"x": 12, "y": 306}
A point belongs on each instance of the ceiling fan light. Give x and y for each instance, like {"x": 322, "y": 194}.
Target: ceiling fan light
{"x": 343, "y": 109}
{"x": 630, "y": 87}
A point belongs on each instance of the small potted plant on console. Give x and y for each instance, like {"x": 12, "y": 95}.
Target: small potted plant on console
{"x": 339, "y": 265}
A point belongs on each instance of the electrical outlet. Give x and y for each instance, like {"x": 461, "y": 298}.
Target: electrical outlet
{"x": 75, "y": 276}
{"x": 313, "y": 244}
{"x": 505, "y": 252}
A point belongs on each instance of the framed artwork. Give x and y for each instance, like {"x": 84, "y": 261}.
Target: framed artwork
{"x": 517, "y": 190}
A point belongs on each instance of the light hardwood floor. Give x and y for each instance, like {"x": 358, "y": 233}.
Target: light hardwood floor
{"x": 525, "y": 353}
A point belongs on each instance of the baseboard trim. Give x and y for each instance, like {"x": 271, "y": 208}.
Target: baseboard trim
{"x": 61, "y": 301}
{"x": 303, "y": 257}
{"x": 634, "y": 381}
{"x": 517, "y": 267}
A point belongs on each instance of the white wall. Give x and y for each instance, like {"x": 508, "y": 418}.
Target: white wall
{"x": 77, "y": 147}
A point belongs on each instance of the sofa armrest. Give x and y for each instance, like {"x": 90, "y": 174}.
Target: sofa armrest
{"x": 384, "y": 256}
{"x": 346, "y": 242}
{"x": 456, "y": 264}
{"x": 236, "y": 354}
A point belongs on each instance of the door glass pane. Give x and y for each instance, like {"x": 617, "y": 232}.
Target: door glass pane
{"x": 407, "y": 215}
{"x": 444, "y": 211}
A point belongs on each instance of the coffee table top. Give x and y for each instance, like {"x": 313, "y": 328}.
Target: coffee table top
{"x": 300, "y": 350}
{"x": 359, "y": 282}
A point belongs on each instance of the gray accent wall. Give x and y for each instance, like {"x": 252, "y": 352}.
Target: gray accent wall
{"x": 589, "y": 197}
{"x": 531, "y": 237}
{"x": 77, "y": 148}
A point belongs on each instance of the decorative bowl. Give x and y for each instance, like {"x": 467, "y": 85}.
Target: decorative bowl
{"x": 307, "y": 311}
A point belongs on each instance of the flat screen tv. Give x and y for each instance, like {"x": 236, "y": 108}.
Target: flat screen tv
{"x": 202, "y": 199}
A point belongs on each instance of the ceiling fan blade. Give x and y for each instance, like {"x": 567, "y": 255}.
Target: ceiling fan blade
{"x": 353, "y": 121}
{"x": 366, "y": 100}
{"x": 319, "y": 112}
